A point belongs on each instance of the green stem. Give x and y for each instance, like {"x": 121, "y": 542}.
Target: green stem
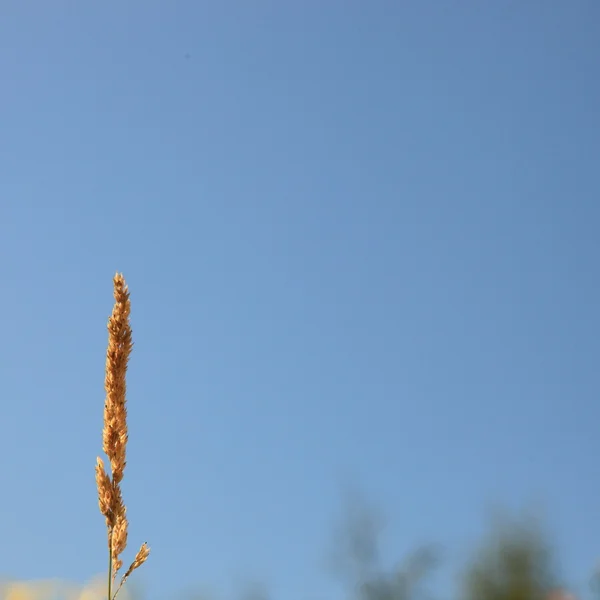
{"x": 110, "y": 568}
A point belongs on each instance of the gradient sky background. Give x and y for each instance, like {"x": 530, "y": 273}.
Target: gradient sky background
{"x": 362, "y": 244}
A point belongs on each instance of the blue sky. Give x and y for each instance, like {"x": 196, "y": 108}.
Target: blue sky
{"x": 362, "y": 244}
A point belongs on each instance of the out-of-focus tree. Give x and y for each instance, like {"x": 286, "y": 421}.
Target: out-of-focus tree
{"x": 356, "y": 557}
{"x": 356, "y": 540}
{"x": 405, "y": 581}
{"x": 514, "y": 562}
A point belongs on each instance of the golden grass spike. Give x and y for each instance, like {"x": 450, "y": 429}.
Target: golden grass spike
{"x": 104, "y": 486}
{"x": 138, "y": 561}
{"x": 115, "y": 436}
{"x": 119, "y": 541}
{"x": 119, "y": 349}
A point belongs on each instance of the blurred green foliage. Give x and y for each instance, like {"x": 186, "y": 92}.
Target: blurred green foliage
{"x": 514, "y": 562}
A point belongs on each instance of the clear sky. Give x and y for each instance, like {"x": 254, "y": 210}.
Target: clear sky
{"x": 362, "y": 244}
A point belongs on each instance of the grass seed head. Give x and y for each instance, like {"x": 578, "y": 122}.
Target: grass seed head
{"x": 120, "y": 344}
{"x": 115, "y": 434}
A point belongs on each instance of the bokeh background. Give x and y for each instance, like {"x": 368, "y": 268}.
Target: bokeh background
{"x": 362, "y": 244}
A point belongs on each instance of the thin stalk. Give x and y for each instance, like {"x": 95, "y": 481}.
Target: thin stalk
{"x": 119, "y": 588}
{"x": 110, "y": 578}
